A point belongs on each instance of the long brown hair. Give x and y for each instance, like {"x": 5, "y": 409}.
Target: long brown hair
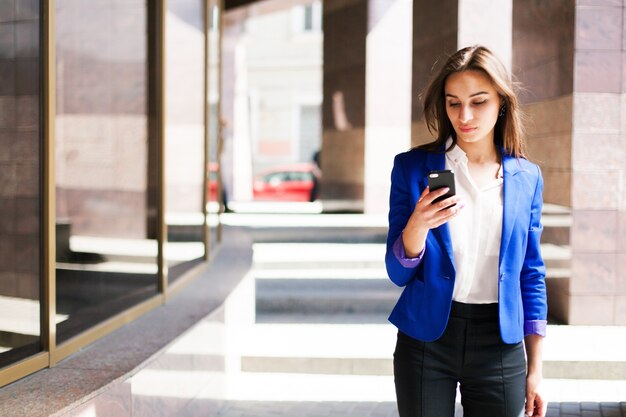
{"x": 509, "y": 130}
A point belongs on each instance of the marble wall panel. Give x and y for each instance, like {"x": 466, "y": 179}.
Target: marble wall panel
{"x": 620, "y": 271}
{"x": 599, "y": 27}
{"x": 7, "y": 112}
{"x": 27, "y": 76}
{"x": 551, "y": 152}
{"x": 592, "y": 310}
{"x": 7, "y": 77}
{"x": 593, "y": 274}
{"x": 27, "y": 285}
{"x": 557, "y": 187}
{"x": 7, "y": 216}
{"x": 594, "y": 231}
{"x": 7, "y": 11}
{"x": 7, "y": 40}
{"x": 598, "y": 151}
{"x": 543, "y": 48}
{"x": 596, "y": 190}
{"x": 435, "y": 33}
{"x": 597, "y": 112}
{"x": 598, "y": 71}
{"x": 620, "y": 310}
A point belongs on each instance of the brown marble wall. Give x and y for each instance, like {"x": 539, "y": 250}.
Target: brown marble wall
{"x": 549, "y": 132}
{"x": 570, "y": 56}
{"x": 435, "y": 32}
{"x": 102, "y": 130}
{"x": 543, "y": 47}
{"x": 343, "y": 110}
{"x": 598, "y": 163}
{"x": 20, "y": 165}
{"x": 19, "y": 149}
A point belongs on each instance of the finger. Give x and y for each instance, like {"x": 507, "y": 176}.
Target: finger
{"x": 431, "y": 196}
{"x": 447, "y": 204}
{"x": 530, "y": 404}
{"x": 541, "y": 406}
{"x": 444, "y": 216}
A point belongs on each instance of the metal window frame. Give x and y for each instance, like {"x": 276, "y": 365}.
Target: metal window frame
{"x": 52, "y": 352}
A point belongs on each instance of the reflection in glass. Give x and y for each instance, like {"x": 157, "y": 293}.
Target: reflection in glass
{"x": 106, "y": 261}
{"x": 19, "y": 181}
{"x": 217, "y": 194}
{"x": 184, "y": 135}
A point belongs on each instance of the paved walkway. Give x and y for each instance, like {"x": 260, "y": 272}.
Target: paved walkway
{"x": 305, "y": 335}
{"x": 320, "y": 345}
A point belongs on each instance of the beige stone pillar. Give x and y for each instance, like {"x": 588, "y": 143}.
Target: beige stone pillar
{"x": 571, "y": 59}
{"x": 388, "y": 96}
{"x": 367, "y": 99}
{"x": 441, "y": 28}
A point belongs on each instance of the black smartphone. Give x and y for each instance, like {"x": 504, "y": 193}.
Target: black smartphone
{"x": 441, "y": 179}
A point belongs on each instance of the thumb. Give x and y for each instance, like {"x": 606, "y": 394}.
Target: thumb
{"x": 530, "y": 404}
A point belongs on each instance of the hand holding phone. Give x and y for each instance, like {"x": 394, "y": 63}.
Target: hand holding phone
{"x": 441, "y": 179}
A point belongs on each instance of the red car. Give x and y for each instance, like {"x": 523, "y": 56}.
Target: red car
{"x": 297, "y": 182}
{"x": 212, "y": 183}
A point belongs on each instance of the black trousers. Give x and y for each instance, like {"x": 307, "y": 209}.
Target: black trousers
{"x": 491, "y": 374}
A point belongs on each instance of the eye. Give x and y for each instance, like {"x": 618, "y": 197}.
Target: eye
{"x": 479, "y": 103}
{"x": 453, "y": 104}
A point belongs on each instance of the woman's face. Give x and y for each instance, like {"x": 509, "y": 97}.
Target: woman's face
{"x": 472, "y": 105}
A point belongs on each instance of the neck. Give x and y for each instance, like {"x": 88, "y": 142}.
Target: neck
{"x": 483, "y": 151}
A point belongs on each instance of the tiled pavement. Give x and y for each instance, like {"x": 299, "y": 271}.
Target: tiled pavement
{"x": 318, "y": 344}
{"x": 308, "y": 409}
{"x": 267, "y": 387}
{"x": 365, "y": 409}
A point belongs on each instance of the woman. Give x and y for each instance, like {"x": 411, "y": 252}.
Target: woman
{"x": 473, "y": 274}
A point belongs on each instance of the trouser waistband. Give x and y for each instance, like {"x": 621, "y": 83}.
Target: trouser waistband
{"x": 474, "y": 311}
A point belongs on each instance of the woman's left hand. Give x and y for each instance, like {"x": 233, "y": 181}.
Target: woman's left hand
{"x": 535, "y": 404}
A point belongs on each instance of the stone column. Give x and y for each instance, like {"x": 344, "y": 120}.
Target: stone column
{"x": 435, "y": 36}
{"x": 598, "y": 233}
{"x": 388, "y": 96}
{"x": 343, "y": 110}
{"x": 570, "y": 57}
{"x": 236, "y": 162}
{"x": 443, "y": 27}
{"x": 366, "y": 112}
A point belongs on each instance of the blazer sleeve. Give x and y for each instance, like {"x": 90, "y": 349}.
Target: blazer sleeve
{"x": 401, "y": 270}
{"x": 533, "y": 272}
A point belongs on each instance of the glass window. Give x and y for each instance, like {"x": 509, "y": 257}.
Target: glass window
{"x": 184, "y": 135}
{"x": 20, "y": 167}
{"x": 106, "y": 248}
{"x": 218, "y": 194}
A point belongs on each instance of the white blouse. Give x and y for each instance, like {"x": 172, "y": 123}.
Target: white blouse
{"x": 476, "y": 233}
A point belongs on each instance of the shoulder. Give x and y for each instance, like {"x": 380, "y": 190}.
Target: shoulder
{"x": 521, "y": 165}
{"x": 411, "y": 157}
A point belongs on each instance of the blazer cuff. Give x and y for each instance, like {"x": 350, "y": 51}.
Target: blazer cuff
{"x": 537, "y": 327}
{"x": 398, "y": 251}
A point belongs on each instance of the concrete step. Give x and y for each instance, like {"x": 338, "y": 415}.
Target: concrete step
{"x": 367, "y": 349}
{"x": 325, "y": 296}
{"x": 556, "y": 221}
{"x": 300, "y": 255}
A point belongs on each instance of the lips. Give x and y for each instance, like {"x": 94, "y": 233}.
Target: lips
{"x": 466, "y": 129}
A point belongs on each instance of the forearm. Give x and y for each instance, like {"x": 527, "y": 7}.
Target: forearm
{"x": 414, "y": 240}
{"x": 534, "y": 354}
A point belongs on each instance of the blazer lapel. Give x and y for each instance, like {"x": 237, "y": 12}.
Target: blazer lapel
{"x": 436, "y": 162}
{"x": 512, "y": 189}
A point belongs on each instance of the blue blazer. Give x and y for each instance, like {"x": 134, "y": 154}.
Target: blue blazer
{"x": 423, "y": 308}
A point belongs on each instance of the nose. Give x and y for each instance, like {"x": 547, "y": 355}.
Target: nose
{"x": 465, "y": 114}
